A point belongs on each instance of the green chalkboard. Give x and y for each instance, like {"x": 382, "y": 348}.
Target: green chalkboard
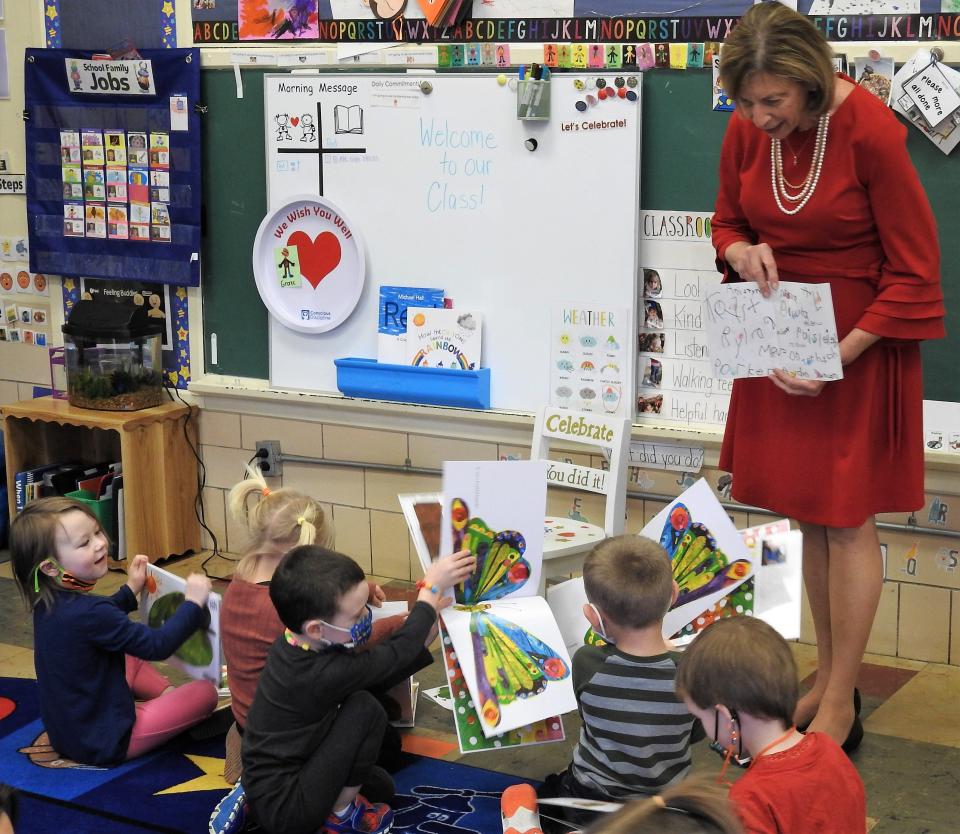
{"x": 234, "y": 203}
{"x": 681, "y": 146}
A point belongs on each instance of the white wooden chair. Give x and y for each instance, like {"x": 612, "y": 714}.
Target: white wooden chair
{"x": 566, "y": 541}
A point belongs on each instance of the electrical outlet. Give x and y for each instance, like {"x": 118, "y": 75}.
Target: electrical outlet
{"x": 269, "y": 458}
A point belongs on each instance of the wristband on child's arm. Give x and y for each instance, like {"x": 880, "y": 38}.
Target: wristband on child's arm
{"x": 433, "y": 589}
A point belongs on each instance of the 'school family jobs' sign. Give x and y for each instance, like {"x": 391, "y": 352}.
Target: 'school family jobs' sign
{"x": 114, "y": 165}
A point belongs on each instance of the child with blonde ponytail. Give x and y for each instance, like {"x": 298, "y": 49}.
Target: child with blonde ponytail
{"x": 277, "y": 520}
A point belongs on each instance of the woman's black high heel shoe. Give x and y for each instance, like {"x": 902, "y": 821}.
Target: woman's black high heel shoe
{"x": 857, "y": 704}
{"x": 854, "y": 737}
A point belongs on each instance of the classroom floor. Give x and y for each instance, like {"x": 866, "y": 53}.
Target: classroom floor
{"x": 909, "y": 759}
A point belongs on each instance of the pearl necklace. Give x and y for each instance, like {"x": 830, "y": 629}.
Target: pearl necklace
{"x": 809, "y": 185}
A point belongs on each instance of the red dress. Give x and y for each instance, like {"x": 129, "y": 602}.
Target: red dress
{"x": 868, "y": 231}
{"x": 811, "y": 788}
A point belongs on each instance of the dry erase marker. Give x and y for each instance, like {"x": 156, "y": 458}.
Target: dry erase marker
{"x": 522, "y": 72}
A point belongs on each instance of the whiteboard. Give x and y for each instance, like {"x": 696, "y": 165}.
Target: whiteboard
{"x": 446, "y": 194}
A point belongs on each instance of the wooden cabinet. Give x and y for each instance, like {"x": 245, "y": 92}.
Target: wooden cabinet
{"x": 159, "y": 467}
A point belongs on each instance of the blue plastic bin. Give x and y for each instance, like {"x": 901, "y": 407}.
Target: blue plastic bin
{"x": 368, "y": 379}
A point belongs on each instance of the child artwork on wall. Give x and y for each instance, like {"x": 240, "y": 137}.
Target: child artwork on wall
{"x": 199, "y": 656}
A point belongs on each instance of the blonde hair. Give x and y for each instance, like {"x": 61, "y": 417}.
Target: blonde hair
{"x": 694, "y": 806}
{"x": 775, "y": 39}
{"x": 744, "y": 664}
{"x": 33, "y": 540}
{"x": 278, "y": 521}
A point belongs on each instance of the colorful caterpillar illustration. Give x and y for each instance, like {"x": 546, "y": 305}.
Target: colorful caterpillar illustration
{"x": 699, "y": 566}
{"x": 511, "y": 662}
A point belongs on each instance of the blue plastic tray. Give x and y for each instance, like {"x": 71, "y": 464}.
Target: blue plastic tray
{"x": 369, "y": 379}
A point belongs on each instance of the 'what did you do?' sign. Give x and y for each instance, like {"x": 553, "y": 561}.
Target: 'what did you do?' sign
{"x": 793, "y": 329}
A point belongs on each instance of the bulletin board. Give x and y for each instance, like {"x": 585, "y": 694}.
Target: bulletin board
{"x": 113, "y": 179}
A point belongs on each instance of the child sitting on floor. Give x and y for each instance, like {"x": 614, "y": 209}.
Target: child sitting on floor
{"x": 277, "y": 521}
{"x": 739, "y": 678}
{"x": 90, "y": 658}
{"x": 636, "y": 732}
{"x": 314, "y": 730}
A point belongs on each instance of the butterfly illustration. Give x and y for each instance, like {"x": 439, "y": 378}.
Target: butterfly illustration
{"x": 699, "y": 566}
{"x": 511, "y": 662}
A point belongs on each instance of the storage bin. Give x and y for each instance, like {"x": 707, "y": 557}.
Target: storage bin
{"x": 367, "y": 378}
{"x": 102, "y": 508}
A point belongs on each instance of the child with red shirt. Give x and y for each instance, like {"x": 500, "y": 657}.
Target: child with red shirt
{"x": 739, "y": 678}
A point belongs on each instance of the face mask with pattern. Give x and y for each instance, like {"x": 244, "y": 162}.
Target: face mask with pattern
{"x": 64, "y": 578}
{"x": 359, "y": 632}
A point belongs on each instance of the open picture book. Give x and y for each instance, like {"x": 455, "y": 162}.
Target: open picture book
{"x": 509, "y": 672}
{"x": 200, "y": 655}
{"x": 721, "y": 572}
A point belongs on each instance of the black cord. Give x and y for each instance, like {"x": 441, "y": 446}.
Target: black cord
{"x": 198, "y": 507}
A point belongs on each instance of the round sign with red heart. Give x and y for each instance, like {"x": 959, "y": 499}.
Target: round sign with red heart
{"x": 309, "y": 265}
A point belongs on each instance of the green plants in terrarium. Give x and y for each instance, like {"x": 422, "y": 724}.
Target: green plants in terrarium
{"x": 121, "y": 389}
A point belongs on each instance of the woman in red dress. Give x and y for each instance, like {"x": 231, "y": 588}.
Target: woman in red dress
{"x": 816, "y": 186}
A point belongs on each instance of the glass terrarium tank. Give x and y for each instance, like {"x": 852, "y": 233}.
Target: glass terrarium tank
{"x": 113, "y": 356}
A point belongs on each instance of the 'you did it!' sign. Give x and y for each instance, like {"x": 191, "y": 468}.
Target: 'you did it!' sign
{"x": 793, "y": 330}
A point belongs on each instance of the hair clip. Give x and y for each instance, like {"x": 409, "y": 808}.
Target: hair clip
{"x": 265, "y": 491}
{"x": 300, "y": 520}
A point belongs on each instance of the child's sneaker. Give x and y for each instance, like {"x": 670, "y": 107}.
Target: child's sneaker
{"x": 361, "y": 817}
{"x": 230, "y": 814}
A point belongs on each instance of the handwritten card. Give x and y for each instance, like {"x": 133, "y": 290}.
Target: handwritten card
{"x": 794, "y": 330}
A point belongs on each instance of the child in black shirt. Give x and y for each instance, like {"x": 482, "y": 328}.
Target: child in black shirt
{"x": 314, "y": 730}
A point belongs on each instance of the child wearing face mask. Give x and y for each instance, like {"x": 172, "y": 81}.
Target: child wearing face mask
{"x": 277, "y": 520}
{"x": 636, "y": 732}
{"x": 100, "y": 701}
{"x": 739, "y": 678}
{"x": 314, "y": 730}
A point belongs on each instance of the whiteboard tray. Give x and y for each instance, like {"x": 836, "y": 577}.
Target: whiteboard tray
{"x": 367, "y": 378}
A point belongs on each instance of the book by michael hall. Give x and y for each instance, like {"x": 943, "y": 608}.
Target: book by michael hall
{"x": 392, "y": 319}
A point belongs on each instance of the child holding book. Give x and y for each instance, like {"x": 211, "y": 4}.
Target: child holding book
{"x": 739, "y": 678}
{"x": 636, "y": 732}
{"x": 90, "y": 657}
{"x": 314, "y": 730}
{"x": 277, "y": 521}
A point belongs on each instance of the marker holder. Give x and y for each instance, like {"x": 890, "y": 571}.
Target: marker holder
{"x": 369, "y": 379}
{"x": 533, "y": 100}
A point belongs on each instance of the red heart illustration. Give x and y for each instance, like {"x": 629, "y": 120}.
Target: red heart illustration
{"x": 318, "y": 257}
{"x": 294, "y": 120}
{"x": 6, "y": 707}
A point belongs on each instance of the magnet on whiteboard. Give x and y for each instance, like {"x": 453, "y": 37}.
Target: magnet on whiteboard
{"x": 936, "y": 53}
{"x": 502, "y": 79}
{"x": 530, "y": 144}
{"x": 426, "y": 87}
{"x": 874, "y": 54}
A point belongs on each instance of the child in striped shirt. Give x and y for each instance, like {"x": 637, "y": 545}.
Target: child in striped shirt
{"x": 635, "y": 739}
